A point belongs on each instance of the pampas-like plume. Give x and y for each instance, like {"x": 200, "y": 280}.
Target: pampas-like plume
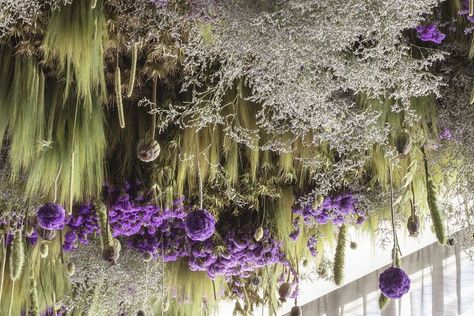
{"x": 118, "y": 96}
{"x": 34, "y": 306}
{"x": 133, "y": 70}
{"x": 435, "y": 213}
{"x": 105, "y": 233}
{"x": 17, "y": 261}
{"x": 17, "y": 256}
{"x": 340, "y": 255}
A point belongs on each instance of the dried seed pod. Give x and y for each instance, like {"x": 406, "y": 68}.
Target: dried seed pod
{"x": 44, "y": 250}
{"x": 383, "y": 301}
{"x": 284, "y": 291}
{"x": 296, "y": 311}
{"x": 256, "y": 280}
{"x": 165, "y": 304}
{"x": 148, "y": 149}
{"x": 258, "y": 235}
{"x": 29, "y": 231}
{"x": 403, "y": 142}
{"x": 71, "y": 269}
{"x": 147, "y": 256}
{"x": 413, "y": 225}
{"x": 112, "y": 253}
{"x": 353, "y": 245}
{"x": 17, "y": 256}
{"x": 47, "y": 234}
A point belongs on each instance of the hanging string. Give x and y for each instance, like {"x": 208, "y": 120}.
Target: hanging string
{"x": 154, "y": 106}
{"x": 392, "y": 213}
{"x": 199, "y": 172}
{"x": 71, "y": 174}
{"x": 471, "y": 7}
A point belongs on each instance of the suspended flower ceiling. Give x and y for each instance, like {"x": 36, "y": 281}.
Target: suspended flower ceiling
{"x": 160, "y": 157}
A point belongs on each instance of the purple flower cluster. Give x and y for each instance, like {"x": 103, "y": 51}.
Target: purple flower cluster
{"x": 312, "y": 244}
{"x": 199, "y": 225}
{"x": 430, "y": 33}
{"x": 296, "y": 228}
{"x": 445, "y": 134}
{"x": 240, "y": 256}
{"x": 175, "y": 233}
{"x": 51, "y": 216}
{"x": 394, "y": 282}
{"x": 338, "y": 209}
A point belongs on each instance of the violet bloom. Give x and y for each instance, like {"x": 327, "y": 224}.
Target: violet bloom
{"x": 199, "y": 225}
{"x": 51, "y": 216}
{"x": 394, "y": 282}
{"x": 429, "y": 33}
{"x": 445, "y": 134}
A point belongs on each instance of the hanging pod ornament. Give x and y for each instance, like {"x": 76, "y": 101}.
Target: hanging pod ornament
{"x": 258, "y": 235}
{"x": 111, "y": 253}
{"x": 71, "y": 269}
{"x": 403, "y": 142}
{"x": 296, "y": 311}
{"x": 148, "y": 149}
{"x": 44, "y": 249}
{"x": 147, "y": 256}
{"x": 284, "y": 291}
{"x": 413, "y": 225}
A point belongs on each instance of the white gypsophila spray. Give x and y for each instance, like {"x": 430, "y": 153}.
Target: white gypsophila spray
{"x": 306, "y": 60}
{"x": 129, "y": 286}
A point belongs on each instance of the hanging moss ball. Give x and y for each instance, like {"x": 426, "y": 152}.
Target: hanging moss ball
{"x": 147, "y": 256}
{"x": 305, "y": 263}
{"x": 44, "y": 250}
{"x": 296, "y": 311}
{"x": 148, "y": 150}
{"x": 353, "y": 245}
{"x": 140, "y": 313}
{"x": 71, "y": 269}
{"x": 413, "y": 225}
{"x": 403, "y": 142}
{"x": 284, "y": 291}
{"x": 258, "y": 235}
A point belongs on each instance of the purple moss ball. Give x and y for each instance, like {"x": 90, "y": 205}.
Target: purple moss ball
{"x": 394, "y": 282}
{"x": 51, "y": 216}
{"x": 199, "y": 225}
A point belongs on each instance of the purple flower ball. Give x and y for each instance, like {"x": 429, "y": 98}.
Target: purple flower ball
{"x": 394, "y": 282}
{"x": 199, "y": 225}
{"x": 51, "y": 216}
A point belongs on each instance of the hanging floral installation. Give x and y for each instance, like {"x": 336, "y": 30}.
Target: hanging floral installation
{"x": 162, "y": 157}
